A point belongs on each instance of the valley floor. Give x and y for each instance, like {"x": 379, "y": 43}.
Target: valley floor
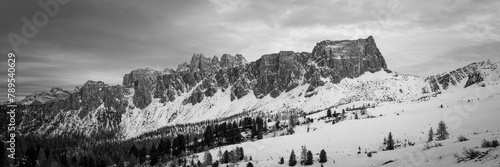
{"x": 473, "y": 112}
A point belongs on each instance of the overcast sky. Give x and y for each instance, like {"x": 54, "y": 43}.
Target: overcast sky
{"x": 104, "y": 39}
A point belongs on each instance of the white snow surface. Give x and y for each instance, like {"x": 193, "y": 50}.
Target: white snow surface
{"x": 477, "y": 120}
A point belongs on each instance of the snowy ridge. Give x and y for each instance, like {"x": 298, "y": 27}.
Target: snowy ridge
{"x": 379, "y": 86}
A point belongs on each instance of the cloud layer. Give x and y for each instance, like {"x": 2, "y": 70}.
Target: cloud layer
{"x": 103, "y": 40}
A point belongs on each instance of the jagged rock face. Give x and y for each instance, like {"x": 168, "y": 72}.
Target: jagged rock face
{"x": 171, "y": 85}
{"x": 204, "y": 64}
{"x": 143, "y": 81}
{"x": 93, "y": 94}
{"x": 279, "y": 72}
{"x": 445, "y": 80}
{"x": 228, "y": 61}
{"x": 196, "y": 97}
{"x": 348, "y": 58}
{"x": 473, "y": 79}
{"x": 84, "y": 100}
{"x": 272, "y": 74}
{"x": 211, "y": 73}
{"x": 336, "y": 60}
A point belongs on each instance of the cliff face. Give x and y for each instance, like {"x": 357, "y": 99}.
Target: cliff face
{"x": 94, "y": 99}
{"x": 272, "y": 74}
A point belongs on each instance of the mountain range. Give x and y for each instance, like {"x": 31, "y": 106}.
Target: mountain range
{"x": 334, "y": 73}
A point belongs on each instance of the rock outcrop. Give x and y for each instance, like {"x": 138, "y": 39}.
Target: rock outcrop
{"x": 93, "y": 98}
{"x": 94, "y": 94}
{"x": 473, "y": 79}
{"x": 143, "y": 81}
{"x": 453, "y": 78}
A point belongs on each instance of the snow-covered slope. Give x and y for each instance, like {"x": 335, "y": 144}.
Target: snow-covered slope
{"x": 379, "y": 86}
{"x": 472, "y": 112}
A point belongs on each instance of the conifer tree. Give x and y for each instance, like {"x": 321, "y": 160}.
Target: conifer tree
{"x": 41, "y": 156}
{"x": 215, "y": 164}
{"x": 161, "y": 148}
{"x": 322, "y": 156}
{"x": 132, "y": 160}
{"x": 225, "y": 158}
{"x": 241, "y": 153}
{"x": 442, "y": 132}
{"x": 303, "y": 155}
{"x": 259, "y": 135}
{"x": 63, "y": 160}
{"x": 431, "y": 135}
{"x": 181, "y": 144}
{"x": 142, "y": 154}
{"x": 208, "y": 136}
{"x": 329, "y": 113}
{"x": 207, "y": 158}
{"x": 84, "y": 161}
{"x": 309, "y": 160}
{"x": 168, "y": 146}
{"x": 91, "y": 162}
{"x": 31, "y": 154}
{"x": 293, "y": 160}
{"x": 74, "y": 160}
{"x": 390, "y": 142}
{"x": 234, "y": 156}
{"x": 133, "y": 150}
{"x": 153, "y": 154}
{"x": 249, "y": 164}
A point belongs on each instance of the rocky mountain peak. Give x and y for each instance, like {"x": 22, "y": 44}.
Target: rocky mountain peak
{"x": 201, "y": 63}
{"x": 38, "y": 98}
{"x": 228, "y": 61}
{"x": 56, "y": 90}
{"x": 362, "y": 55}
{"x": 205, "y": 64}
{"x": 215, "y": 60}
